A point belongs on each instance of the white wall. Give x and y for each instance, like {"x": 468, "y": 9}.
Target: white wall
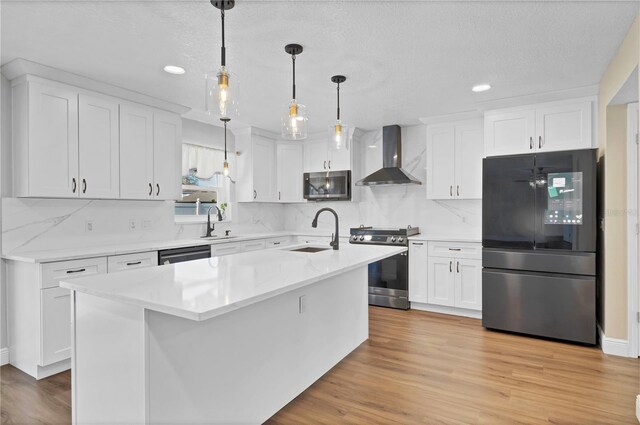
{"x": 393, "y": 206}
{"x": 5, "y": 179}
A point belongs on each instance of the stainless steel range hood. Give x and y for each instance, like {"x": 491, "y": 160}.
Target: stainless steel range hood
{"x": 391, "y": 171}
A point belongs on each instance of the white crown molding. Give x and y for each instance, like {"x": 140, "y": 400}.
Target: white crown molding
{"x": 460, "y": 116}
{"x": 512, "y": 102}
{"x": 21, "y": 67}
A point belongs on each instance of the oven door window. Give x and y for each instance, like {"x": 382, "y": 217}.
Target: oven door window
{"x": 390, "y": 273}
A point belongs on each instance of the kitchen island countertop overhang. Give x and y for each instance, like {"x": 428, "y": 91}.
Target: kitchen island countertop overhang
{"x": 206, "y": 288}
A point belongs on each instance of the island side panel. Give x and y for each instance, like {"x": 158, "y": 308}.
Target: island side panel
{"x": 108, "y": 361}
{"x": 244, "y": 366}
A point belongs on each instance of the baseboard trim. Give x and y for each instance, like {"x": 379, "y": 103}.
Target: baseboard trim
{"x": 446, "y": 310}
{"x": 613, "y": 346}
{"x": 4, "y": 356}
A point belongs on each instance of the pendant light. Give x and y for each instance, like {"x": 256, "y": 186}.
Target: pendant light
{"x": 225, "y": 170}
{"x": 339, "y": 133}
{"x": 294, "y": 123}
{"x": 222, "y": 86}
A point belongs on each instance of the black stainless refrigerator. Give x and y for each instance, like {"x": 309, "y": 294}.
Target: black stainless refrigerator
{"x": 539, "y": 244}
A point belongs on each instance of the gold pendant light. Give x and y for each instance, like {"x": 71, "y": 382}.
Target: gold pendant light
{"x": 294, "y": 123}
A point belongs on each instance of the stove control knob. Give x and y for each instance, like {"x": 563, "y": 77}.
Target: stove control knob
{"x": 401, "y": 240}
{"x": 361, "y": 238}
{"x": 354, "y": 237}
{"x": 393, "y": 239}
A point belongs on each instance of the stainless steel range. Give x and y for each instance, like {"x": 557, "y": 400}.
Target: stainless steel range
{"x": 388, "y": 278}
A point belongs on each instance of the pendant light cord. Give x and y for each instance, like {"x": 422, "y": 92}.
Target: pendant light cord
{"x": 338, "y": 101}
{"x": 225, "y": 141}
{"x": 293, "y": 58}
{"x": 223, "y": 52}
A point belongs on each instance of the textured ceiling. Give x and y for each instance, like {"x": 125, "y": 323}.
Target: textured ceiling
{"x": 403, "y": 60}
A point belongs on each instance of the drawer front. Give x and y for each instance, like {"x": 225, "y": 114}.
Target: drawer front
{"x": 52, "y": 273}
{"x": 138, "y": 260}
{"x": 278, "y": 242}
{"x": 55, "y": 304}
{"x": 319, "y": 240}
{"x": 254, "y": 245}
{"x": 225, "y": 249}
{"x": 456, "y": 249}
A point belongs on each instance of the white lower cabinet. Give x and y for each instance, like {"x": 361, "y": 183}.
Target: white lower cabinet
{"x": 227, "y": 248}
{"x": 254, "y": 245}
{"x": 117, "y": 263}
{"x": 56, "y": 325}
{"x": 446, "y": 274}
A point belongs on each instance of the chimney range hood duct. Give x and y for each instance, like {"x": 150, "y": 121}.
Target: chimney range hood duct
{"x": 391, "y": 171}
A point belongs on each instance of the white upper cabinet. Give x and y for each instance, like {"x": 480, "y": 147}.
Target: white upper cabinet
{"x": 98, "y": 162}
{"x": 289, "y": 171}
{"x": 319, "y": 156}
{"x": 454, "y": 160}
{"x": 167, "y": 151}
{"x": 556, "y": 126}
{"x": 256, "y": 163}
{"x": 563, "y": 127}
{"x": 315, "y": 156}
{"x": 45, "y": 134}
{"x": 136, "y": 152}
{"x": 69, "y": 142}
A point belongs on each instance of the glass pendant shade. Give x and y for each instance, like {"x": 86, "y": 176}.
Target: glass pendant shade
{"x": 222, "y": 93}
{"x": 339, "y": 136}
{"x": 294, "y": 123}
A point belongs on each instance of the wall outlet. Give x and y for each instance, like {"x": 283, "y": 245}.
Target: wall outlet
{"x": 302, "y": 304}
{"x": 132, "y": 225}
{"x": 146, "y": 224}
{"x": 89, "y": 226}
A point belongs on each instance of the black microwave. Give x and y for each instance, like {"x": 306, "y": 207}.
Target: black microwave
{"x": 327, "y": 186}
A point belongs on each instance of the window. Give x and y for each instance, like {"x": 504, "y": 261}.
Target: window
{"x": 203, "y": 184}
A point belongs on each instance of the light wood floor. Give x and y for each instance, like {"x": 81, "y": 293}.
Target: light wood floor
{"x": 421, "y": 368}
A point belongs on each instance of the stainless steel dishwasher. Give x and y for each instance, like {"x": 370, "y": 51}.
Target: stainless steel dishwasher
{"x": 179, "y": 255}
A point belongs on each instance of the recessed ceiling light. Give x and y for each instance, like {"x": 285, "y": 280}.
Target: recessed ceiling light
{"x": 480, "y": 88}
{"x": 173, "y": 69}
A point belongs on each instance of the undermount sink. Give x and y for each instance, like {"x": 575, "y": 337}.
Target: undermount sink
{"x": 216, "y": 238}
{"x": 309, "y": 249}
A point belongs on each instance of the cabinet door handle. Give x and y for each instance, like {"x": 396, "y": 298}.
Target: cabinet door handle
{"x": 150, "y": 189}
{"x": 329, "y": 163}
{"x": 134, "y": 263}
{"x": 455, "y": 249}
{"x": 279, "y": 196}
{"x": 324, "y": 165}
{"x": 158, "y": 189}
{"x": 276, "y": 243}
{"x": 74, "y": 185}
{"x": 457, "y": 266}
{"x": 530, "y": 142}
{"x": 458, "y": 190}
{"x": 255, "y": 194}
{"x": 540, "y": 142}
{"x": 76, "y": 271}
{"x": 450, "y": 266}
{"x": 450, "y": 190}
{"x": 84, "y": 186}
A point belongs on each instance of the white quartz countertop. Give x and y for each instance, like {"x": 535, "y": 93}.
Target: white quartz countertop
{"x": 444, "y": 238}
{"x": 65, "y": 254}
{"x": 202, "y": 289}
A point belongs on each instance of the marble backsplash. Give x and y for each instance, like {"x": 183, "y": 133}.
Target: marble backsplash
{"x": 44, "y": 224}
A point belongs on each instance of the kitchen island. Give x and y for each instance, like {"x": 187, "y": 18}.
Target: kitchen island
{"x": 221, "y": 340}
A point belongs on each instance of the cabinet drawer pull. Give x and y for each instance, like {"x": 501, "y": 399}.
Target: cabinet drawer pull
{"x": 455, "y": 249}
{"x": 276, "y": 243}
{"x": 74, "y": 185}
{"x": 84, "y": 186}
{"x": 539, "y": 142}
{"x": 158, "y": 189}
{"x": 457, "y": 267}
{"x": 450, "y": 266}
{"x": 150, "y": 189}
{"x": 76, "y": 271}
{"x": 417, "y": 243}
{"x": 530, "y": 142}
{"x": 134, "y": 263}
